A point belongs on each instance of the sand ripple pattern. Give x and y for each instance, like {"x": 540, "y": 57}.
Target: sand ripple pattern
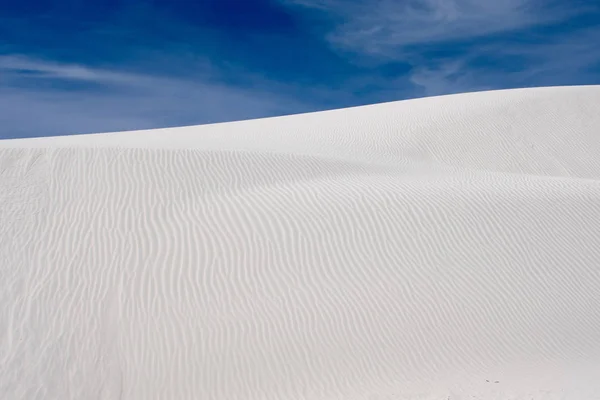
{"x": 238, "y": 272}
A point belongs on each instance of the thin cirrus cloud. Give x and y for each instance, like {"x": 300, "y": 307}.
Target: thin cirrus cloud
{"x": 568, "y": 59}
{"x": 139, "y": 64}
{"x": 64, "y": 98}
{"x": 454, "y": 46}
{"x": 385, "y": 28}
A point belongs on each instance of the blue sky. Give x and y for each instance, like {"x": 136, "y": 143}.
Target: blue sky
{"x": 83, "y": 66}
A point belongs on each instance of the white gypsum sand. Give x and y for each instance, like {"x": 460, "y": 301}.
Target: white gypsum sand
{"x": 439, "y": 248}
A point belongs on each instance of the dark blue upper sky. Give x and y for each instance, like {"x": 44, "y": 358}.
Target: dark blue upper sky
{"x": 80, "y": 66}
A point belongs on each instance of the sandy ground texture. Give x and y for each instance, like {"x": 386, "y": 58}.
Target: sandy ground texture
{"x": 433, "y": 249}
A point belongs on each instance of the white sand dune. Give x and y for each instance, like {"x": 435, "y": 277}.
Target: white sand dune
{"x": 440, "y": 248}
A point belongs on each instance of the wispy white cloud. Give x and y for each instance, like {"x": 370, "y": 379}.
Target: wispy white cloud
{"x": 34, "y": 102}
{"x": 445, "y": 41}
{"x": 14, "y": 65}
{"x": 446, "y": 78}
{"x": 565, "y": 59}
{"x": 383, "y": 28}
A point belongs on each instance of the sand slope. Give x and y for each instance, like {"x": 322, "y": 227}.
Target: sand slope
{"x": 441, "y": 248}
